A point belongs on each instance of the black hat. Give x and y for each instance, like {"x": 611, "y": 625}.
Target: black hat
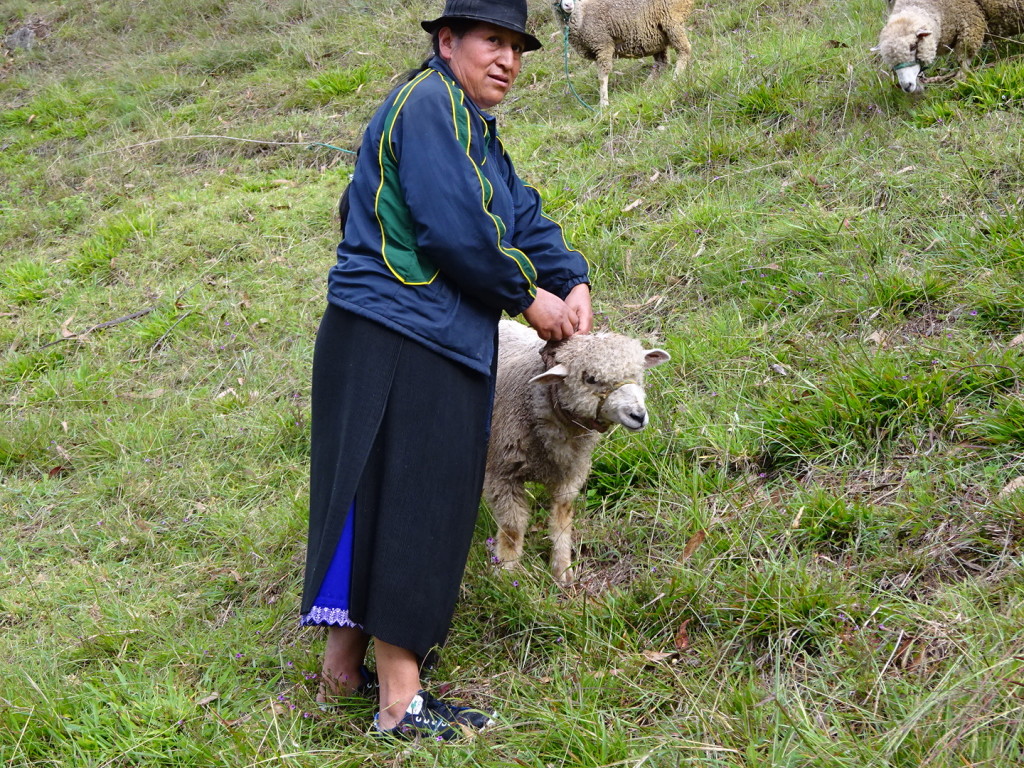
{"x": 510, "y": 14}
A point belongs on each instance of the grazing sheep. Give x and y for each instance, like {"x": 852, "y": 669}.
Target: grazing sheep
{"x": 916, "y": 29}
{"x": 552, "y": 404}
{"x": 602, "y": 30}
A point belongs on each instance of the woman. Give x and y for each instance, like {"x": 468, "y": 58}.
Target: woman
{"x": 440, "y": 238}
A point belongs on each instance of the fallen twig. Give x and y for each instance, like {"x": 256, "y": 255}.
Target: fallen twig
{"x": 159, "y": 342}
{"x": 101, "y": 326}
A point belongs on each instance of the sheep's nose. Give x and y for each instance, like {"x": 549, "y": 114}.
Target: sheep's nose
{"x": 636, "y": 419}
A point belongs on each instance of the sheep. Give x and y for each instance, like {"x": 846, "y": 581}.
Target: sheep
{"x": 602, "y": 30}
{"x": 916, "y": 29}
{"x": 552, "y": 404}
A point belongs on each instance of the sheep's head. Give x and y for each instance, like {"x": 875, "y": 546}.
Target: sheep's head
{"x": 907, "y": 47}
{"x": 597, "y": 380}
{"x": 564, "y": 6}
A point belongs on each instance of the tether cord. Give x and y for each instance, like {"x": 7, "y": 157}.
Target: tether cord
{"x": 329, "y": 146}
{"x": 565, "y": 38}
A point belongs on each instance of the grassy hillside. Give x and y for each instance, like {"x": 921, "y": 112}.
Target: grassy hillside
{"x": 812, "y": 556}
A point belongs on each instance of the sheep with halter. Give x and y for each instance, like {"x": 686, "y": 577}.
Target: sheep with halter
{"x": 916, "y": 31}
{"x": 553, "y": 402}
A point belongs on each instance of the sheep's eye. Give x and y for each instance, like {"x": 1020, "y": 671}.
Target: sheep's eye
{"x": 589, "y": 380}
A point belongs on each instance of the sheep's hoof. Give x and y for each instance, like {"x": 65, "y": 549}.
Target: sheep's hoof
{"x": 565, "y": 577}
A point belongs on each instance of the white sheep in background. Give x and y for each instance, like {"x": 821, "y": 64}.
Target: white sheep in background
{"x": 917, "y": 29}
{"x": 552, "y": 404}
{"x": 601, "y": 30}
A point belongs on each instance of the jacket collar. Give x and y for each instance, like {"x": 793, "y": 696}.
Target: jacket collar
{"x": 439, "y": 64}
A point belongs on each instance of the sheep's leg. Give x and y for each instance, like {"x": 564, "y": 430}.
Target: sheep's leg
{"x": 955, "y": 74}
{"x": 678, "y": 39}
{"x": 512, "y": 514}
{"x": 605, "y": 60}
{"x": 660, "y": 63}
{"x": 560, "y": 531}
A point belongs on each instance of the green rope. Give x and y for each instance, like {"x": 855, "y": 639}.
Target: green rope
{"x": 329, "y": 146}
{"x": 565, "y": 37}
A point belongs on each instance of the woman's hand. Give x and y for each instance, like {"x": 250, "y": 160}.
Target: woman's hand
{"x": 552, "y": 318}
{"x": 578, "y": 300}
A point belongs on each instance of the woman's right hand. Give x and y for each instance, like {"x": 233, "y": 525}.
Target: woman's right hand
{"x": 550, "y": 317}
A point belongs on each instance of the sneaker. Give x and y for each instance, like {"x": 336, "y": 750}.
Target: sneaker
{"x": 477, "y": 719}
{"x": 370, "y": 686}
{"x": 434, "y": 718}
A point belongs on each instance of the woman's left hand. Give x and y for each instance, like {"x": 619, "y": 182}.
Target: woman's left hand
{"x": 579, "y": 301}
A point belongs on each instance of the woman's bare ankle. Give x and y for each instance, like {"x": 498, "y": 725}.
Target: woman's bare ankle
{"x": 388, "y": 717}
{"x": 334, "y": 685}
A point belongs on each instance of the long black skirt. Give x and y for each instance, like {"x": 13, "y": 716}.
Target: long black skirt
{"x": 399, "y": 444}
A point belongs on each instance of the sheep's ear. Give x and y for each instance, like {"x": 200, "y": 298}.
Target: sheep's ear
{"x": 653, "y": 357}
{"x": 874, "y": 49}
{"x": 551, "y": 375}
{"x": 923, "y": 33}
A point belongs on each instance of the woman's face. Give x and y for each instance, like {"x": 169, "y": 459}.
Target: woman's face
{"x": 486, "y": 61}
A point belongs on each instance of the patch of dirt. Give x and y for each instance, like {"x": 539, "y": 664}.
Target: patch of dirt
{"x": 26, "y": 36}
{"x": 931, "y": 322}
{"x": 596, "y": 578}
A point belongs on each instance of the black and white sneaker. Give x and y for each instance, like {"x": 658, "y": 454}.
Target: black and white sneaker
{"x": 477, "y": 719}
{"x": 427, "y": 717}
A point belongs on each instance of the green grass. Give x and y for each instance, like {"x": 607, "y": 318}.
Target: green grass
{"x": 806, "y": 560}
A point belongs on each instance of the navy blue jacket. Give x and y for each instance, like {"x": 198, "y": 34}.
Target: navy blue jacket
{"x": 441, "y": 234}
